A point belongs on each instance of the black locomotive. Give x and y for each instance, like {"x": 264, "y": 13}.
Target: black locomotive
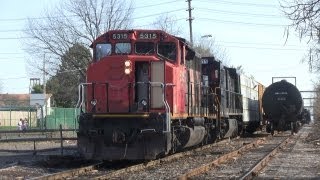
{"x": 305, "y": 116}
{"x": 282, "y": 104}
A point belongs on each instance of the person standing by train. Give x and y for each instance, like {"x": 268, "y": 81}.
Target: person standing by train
{"x": 20, "y": 123}
{"x": 25, "y": 124}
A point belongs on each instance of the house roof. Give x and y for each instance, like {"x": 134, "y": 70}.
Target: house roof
{"x": 16, "y": 100}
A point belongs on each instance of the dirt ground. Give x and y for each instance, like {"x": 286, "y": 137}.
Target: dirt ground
{"x": 15, "y": 153}
{"x": 301, "y": 160}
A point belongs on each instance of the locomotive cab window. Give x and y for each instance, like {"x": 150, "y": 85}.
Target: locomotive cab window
{"x": 168, "y": 50}
{"x": 102, "y": 50}
{"x": 123, "y": 48}
{"x": 144, "y": 48}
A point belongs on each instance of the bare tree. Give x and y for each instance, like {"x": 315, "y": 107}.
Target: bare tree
{"x": 305, "y": 17}
{"x": 316, "y": 105}
{"x": 207, "y": 46}
{"x": 168, "y": 24}
{"x": 204, "y": 45}
{"x": 72, "y": 22}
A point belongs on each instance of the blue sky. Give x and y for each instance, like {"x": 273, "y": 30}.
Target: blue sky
{"x": 251, "y": 32}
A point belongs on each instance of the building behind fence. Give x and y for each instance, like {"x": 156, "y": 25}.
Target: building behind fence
{"x": 67, "y": 117}
{"x": 37, "y": 110}
{"x": 9, "y": 117}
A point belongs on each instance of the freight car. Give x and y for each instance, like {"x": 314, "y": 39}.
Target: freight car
{"x": 282, "y": 104}
{"x": 305, "y": 117}
{"x": 148, "y": 94}
{"x": 252, "y": 92}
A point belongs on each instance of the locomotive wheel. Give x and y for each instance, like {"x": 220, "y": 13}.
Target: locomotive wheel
{"x": 294, "y": 127}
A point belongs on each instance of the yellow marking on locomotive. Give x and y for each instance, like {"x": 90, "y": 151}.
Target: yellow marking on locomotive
{"x": 186, "y": 115}
{"x": 120, "y": 115}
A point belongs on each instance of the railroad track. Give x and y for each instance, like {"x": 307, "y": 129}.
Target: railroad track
{"x": 202, "y": 161}
{"x": 242, "y": 165}
{"x": 170, "y": 167}
{"x": 100, "y": 171}
{"x": 70, "y": 173}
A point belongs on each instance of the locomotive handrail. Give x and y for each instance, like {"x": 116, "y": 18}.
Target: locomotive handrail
{"x": 231, "y": 94}
{"x": 167, "y": 107}
{"x": 81, "y": 94}
{"x": 81, "y": 99}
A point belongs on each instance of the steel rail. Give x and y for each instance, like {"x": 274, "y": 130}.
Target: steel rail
{"x": 221, "y": 159}
{"x": 143, "y": 166}
{"x": 254, "y": 171}
{"x": 69, "y": 173}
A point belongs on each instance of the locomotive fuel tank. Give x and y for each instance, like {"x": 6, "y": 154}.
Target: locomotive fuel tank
{"x": 282, "y": 100}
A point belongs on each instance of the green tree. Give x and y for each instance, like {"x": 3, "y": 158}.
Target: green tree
{"x": 37, "y": 89}
{"x": 64, "y": 85}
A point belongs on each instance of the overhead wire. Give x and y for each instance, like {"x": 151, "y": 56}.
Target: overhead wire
{"x": 210, "y": 19}
{"x": 240, "y": 3}
{"x": 238, "y": 13}
{"x": 244, "y": 23}
{"x": 263, "y": 48}
{"x": 133, "y": 18}
{"x": 11, "y": 78}
{"x": 139, "y": 7}
{"x": 207, "y": 19}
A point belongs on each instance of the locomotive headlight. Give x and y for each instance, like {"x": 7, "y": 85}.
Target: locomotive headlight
{"x": 127, "y": 67}
{"x": 127, "y": 71}
{"x": 93, "y": 102}
{"x": 127, "y": 63}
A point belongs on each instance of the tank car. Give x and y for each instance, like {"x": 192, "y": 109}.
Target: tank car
{"x": 149, "y": 94}
{"x": 282, "y": 104}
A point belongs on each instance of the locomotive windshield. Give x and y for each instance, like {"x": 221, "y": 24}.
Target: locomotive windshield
{"x": 144, "y": 48}
{"x": 102, "y": 50}
{"x": 167, "y": 49}
{"x": 122, "y": 48}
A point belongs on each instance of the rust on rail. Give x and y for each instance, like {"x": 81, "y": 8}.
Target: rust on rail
{"x": 224, "y": 158}
{"x": 264, "y": 161}
{"x": 69, "y": 173}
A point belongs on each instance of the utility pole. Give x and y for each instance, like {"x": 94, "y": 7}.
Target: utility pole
{"x": 44, "y": 74}
{"x": 190, "y": 20}
{"x": 44, "y": 111}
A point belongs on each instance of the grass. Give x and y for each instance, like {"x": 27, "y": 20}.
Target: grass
{"x": 5, "y": 128}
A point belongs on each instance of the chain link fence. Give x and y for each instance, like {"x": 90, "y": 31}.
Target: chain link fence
{"x": 67, "y": 117}
{"x": 39, "y": 118}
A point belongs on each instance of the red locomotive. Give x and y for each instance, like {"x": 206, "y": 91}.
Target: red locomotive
{"x": 149, "y": 94}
